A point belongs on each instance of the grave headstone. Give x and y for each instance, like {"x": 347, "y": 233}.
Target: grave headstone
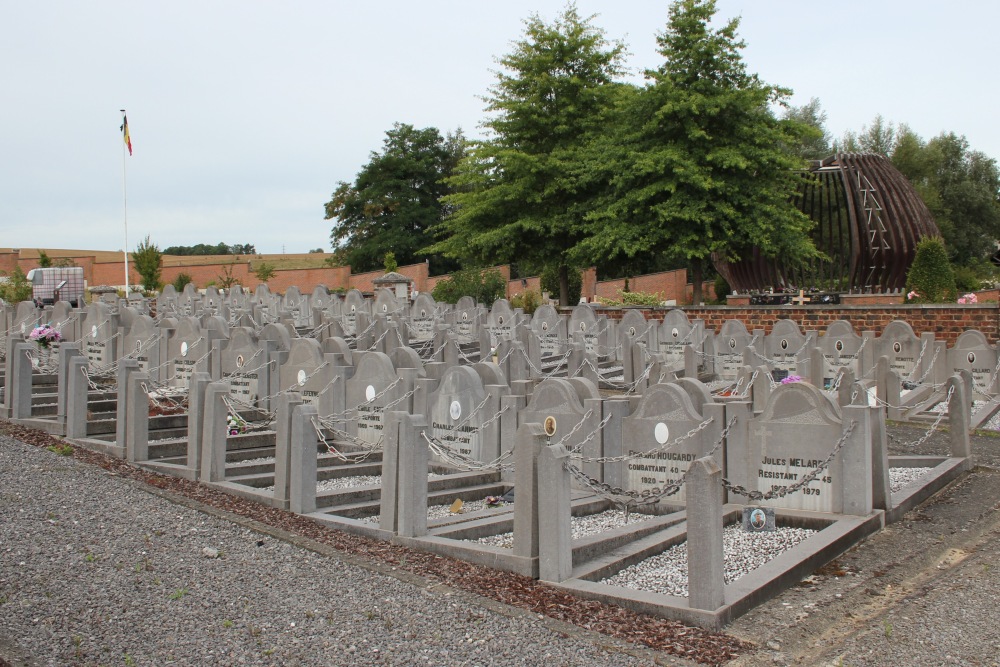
{"x": 100, "y": 335}
{"x": 730, "y": 344}
{"x": 141, "y": 341}
{"x": 798, "y": 430}
{"x": 550, "y": 329}
{"x": 655, "y": 434}
{"x": 972, "y": 352}
{"x": 374, "y": 386}
{"x": 187, "y": 351}
{"x": 465, "y": 319}
{"x": 457, "y": 412}
{"x": 583, "y": 321}
{"x": 841, "y": 348}
{"x": 422, "y": 318}
{"x": 354, "y": 305}
{"x": 243, "y": 365}
{"x": 570, "y": 412}
{"x": 784, "y": 349}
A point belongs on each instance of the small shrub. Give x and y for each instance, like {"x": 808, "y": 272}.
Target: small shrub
{"x": 528, "y": 301}
{"x": 483, "y": 285}
{"x": 550, "y": 283}
{"x": 634, "y": 299}
{"x": 16, "y": 287}
{"x": 967, "y": 279}
{"x": 389, "y": 262}
{"x": 931, "y": 278}
{"x": 264, "y": 271}
{"x": 181, "y": 280}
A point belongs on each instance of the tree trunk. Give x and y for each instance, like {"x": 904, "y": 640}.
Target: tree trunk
{"x": 697, "y": 278}
{"x": 563, "y": 285}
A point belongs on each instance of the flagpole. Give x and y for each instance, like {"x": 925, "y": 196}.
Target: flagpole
{"x": 125, "y": 205}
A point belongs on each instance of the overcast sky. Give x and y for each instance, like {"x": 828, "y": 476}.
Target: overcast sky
{"x": 245, "y": 114}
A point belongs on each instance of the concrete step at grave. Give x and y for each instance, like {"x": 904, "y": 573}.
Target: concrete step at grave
{"x": 103, "y": 405}
{"x": 167, "y": 445}
{"x": 260, "y": 474}
{"x": 366, "y": 508}
{"x": 158, "y": 422}
{"x": 101, "y": 427}
{"x": 437, "y": 487}
{"x": 44, "y": 409}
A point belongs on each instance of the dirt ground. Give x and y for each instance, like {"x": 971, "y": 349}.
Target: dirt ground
{"x": 920, "y": 592}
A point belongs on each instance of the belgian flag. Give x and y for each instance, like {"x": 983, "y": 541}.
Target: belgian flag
{"x": 124, "y": 129}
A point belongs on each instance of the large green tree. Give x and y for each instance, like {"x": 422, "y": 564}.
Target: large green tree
{"x": 960, "y": 186}
{"x": 395, "y": 198}
{"x": 522, "y": 193}
{"x": 699, "y": 164}
{"x": 814, "y": 145}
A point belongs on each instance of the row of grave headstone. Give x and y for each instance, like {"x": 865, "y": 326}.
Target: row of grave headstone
{"x": 530, "y": 347}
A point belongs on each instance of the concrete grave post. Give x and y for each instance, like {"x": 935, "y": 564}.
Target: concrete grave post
{"x": 19, "y": 381}
{"x": 614, "y": 444}
{"x": 287, "y": 402}
{"x": 303, "y": 466}
{"x": 881, "y": 495}
{"x": 67, "y": 351}
{"x": 530, "y": 440}
{"x": 137, "y": 418}
{"x": 738, "y": 455}
{"x": 511, "y": 405}
{"x": 959, "y": 414}
{"x": 555, "y": 537}
{"x": 196, "y": 421}
{"x": 412, "y": 476}
{"x": 214, "y": 433}
{"x": 389, "y": 500}
{"x": 126, "y": 367}
{"x": 76, "y": 395}
{"x": 856, "y": 463}
{"x": 706, "y": 558}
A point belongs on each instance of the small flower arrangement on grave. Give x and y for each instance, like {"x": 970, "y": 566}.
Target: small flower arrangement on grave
{"x": 967, "y": 299}
{"x": 912, "y": 295}
{"x": 790, "y": 379}
{"x": 45, "y": 335}
{"x": 236, "y": 424}
{"x": 493, "y": 501}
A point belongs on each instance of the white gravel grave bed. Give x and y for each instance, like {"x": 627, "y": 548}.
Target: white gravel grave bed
{"x": 900, "y": 478}
{"x": 581, "y": 526}
{"x": 266, "y": 459}
{"x": 666, "y": 573}
{"x": 443, "y": 511}
{"x": 341, "y": 483}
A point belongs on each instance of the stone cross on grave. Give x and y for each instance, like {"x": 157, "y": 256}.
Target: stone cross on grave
{"x": 801, "y": 299}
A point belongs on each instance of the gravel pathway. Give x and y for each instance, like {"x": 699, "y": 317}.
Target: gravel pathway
{"x": 94, "y": 570}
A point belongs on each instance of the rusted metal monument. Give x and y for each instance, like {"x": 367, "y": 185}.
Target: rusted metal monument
{"x": 869, "y": 219}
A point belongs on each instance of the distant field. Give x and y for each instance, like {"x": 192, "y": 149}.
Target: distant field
{"x": 293, "y": 261}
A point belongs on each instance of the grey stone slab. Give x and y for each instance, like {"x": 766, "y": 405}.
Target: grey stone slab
{"x": 799, "y": 428}
{"x": 730, "y": 344}
{"x": 457, "y": 412}
{"x": 550, "y": 329}
{"x": 374, "y": 385}
{"x": 973, "y": 352}
{"x": 99, "y": 335}
{"x": 655, "y": 434}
